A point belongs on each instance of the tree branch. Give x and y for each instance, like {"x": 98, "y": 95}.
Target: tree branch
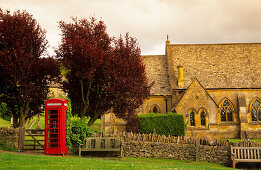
{"x": 81, "y": 81}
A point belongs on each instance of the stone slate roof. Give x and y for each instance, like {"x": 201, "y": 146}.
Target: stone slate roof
{"x": 157, "y": 71}
{"x": 219, "y": 65}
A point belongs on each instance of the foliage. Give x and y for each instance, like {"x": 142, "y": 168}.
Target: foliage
{"x": 24, "y": 73}
{"x": 25, "y": 161}
{"x": 164, "y": 124}
{"x": 77, "y": 131}
{"x": 133, "y": 124}
{"x": 5, "y": 112}
{"x": 102, "y": 73}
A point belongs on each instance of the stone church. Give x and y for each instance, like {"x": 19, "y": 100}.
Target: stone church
{"x": 217, "y": 87}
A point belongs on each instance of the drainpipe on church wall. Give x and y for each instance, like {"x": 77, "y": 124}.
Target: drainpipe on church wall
{"x": 166, "y": 101}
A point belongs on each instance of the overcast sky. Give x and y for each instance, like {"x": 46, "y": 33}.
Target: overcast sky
{"x": 186, "y": 21}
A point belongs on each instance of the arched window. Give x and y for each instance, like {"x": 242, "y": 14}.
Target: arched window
{"x": 255, "y": 109}
{"x": 155, "y": 109}
{"x": 226, "y": 110}
{"x": 202, "y": 117}
{"x": 192, "y": 117}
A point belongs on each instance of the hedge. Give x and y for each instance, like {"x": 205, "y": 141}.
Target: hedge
{"x": 165, "y": 124}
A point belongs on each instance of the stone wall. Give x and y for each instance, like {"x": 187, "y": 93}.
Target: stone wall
{"x": 9, "y": 136}
{"x": 179, "y": 148}
{"x": 214, "y": 154}
{"x": 157, "y": 71}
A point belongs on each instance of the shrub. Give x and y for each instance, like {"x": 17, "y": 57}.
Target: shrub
{"x": 77, "y": 131}
{"x": 8, "y": 147}
{"x": 164, "y": 124}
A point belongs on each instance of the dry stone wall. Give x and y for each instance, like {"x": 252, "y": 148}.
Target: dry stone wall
{"x": 179, "y": 148}
{"x": 9, "y": 136}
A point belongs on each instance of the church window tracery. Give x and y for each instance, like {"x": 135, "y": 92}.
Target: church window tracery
{"x": 256, "y": 110}
{"x": 226, "y": 111}
{"x": 192, "y": 118}
{"x": 203, "y": 117}
{"x": 155, "y": 109}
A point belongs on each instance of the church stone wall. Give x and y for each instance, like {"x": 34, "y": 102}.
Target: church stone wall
{"x": 215, "y": 128}
{"x": 157, "y": 100}
{"x": 157, "y": 72}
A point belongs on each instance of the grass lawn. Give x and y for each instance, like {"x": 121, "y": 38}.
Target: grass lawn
{"x": 4, "y": 123}
{"x": 241, "y": 140}
{"x": 23, "y": 161}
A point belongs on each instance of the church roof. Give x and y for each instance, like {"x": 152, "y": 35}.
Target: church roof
{"x": 235, "y": 65}
{"x": 157, "y": 71}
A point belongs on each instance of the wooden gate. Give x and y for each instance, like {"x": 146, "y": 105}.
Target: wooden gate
{"x": 34, "y": 139}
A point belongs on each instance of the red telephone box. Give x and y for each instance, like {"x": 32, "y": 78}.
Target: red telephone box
{"x": 55, "y": 126}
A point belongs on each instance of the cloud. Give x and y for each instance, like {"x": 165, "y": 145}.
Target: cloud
{"x": 186, "y": 21}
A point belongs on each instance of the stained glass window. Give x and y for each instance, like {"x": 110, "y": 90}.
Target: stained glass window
{"x": 226, "y": 111}
{"x": 192, "y": 118}
{"x": 203, "y": 118}
{"x": 229, "y": 114}
{"x": 223, "y": 115}
{"x": 256, "y": 110}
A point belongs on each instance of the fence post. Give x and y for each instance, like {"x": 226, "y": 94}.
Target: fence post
{"x": 21, "y": 138}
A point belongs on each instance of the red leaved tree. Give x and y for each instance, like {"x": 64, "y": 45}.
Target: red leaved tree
{"x": 24, "y": 73}
{"x": 103, "y": 73}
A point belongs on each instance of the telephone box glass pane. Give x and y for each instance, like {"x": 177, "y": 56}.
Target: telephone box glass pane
{"x": 55, "y": 128}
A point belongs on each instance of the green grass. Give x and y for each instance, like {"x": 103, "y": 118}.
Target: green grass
{"x": 4, "y": 123}
{"x": 96, "y": 125}
{"x": 35, "y": 120}
{"x": 22, "y": 161}
{"x": 241, "y": 140}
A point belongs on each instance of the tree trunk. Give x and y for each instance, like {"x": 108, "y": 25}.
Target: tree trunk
{"x": 85, "y": 100}
{"x": 15, "y": 121}
{"x": 23, "y": 113}
{"x": 93, "y": 119}
{"x": 83, "y": 111}
{"x": 21, "y": 119}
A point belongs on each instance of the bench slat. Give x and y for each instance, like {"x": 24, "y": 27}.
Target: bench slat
{"x": 248, "y": 154}
{"x": 248, "y": 160}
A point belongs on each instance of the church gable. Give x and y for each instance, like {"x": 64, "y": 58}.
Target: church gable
{"x": 197, "y": 98}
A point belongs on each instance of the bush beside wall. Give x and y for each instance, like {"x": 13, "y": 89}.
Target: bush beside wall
{"x": 77, "y": 131}
{"x": 165, "y": 124}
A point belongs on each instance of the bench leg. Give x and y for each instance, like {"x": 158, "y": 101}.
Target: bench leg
{"x": 234, "y": 164}
{"x": 80, "y": 152}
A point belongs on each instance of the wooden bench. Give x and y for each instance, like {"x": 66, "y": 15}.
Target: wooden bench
{"x": 245, "y": 154}
{"x": 102, "y": 144}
